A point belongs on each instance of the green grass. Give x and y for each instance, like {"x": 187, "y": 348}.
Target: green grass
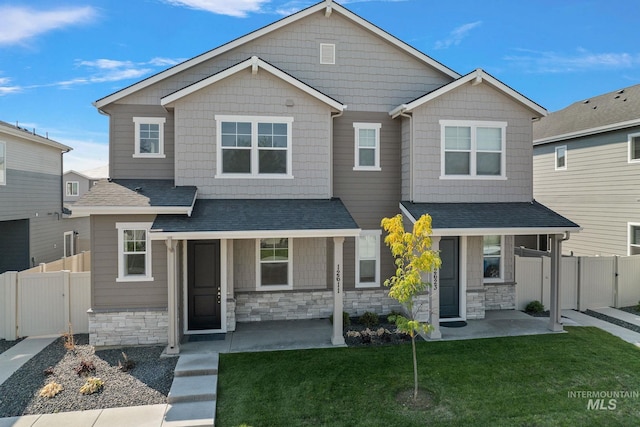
{"x": 514, "y": 381}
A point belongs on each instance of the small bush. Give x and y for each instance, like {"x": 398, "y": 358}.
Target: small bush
{"x": 93, "y": 385}
{"x": 391, "y": 317}
{"x": 69, "y": 340}
{"x": 534, "y": 307}
{"x": 346, "y": 320}
{"x": 369, "y": 319}
{"x": 50, "y": 390}
{"x": 48, "y": 371}
{"x": 85, "y": 368}
{"x": 126, "y": 365}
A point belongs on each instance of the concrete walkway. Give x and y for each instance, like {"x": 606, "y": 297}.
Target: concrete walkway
{"x": 12, "y": 359}
{"x": 585, "y": 320}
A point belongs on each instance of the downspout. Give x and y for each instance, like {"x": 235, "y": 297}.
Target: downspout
{"x": 333, "y": 116}
{"x": 411, "y": 139}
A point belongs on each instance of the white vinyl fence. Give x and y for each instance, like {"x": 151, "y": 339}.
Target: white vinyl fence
{"x": 586, "y": 282}
{"x": 46, "y": 303}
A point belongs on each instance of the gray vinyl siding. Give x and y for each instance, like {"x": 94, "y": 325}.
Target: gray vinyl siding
{"x": 406, "y": 157}
{"x": 106, "y": 293}
{"x": 309, "y": 264}
{"x": 29, "y": 156}
{"x": 598, "y": 190}
{"x": 122, "y": 164}
{"x": 253, "y": 95}
{"x": 368, "y": 195}
{"x": 472, "y": 103}
{"x": 475, "y": 261}
{"x": 369, "y": 74}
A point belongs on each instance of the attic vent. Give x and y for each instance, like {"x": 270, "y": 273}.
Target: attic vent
{"x": 585, "y": 101}
{"x": 327, "y": 53}
{"x": 621, "y": 91}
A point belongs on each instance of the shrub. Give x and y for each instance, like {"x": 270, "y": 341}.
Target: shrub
{"x": 85, "y": 368}
{"x": 125, "y": 365}
{"x": 369, "y": 319}
{"x": 346, "y": 320}
{"x": 391, "y": 317}
{"x": 534, "y": 307}
{"x": 69, "y": 339}
{"x": 50, "y": 390}
{"x": 93, "y": 385}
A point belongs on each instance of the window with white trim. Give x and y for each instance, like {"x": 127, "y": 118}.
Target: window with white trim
{"x": 368, "y": 259}
{"x": 634, "y": 147}
{"x": 3, "y": 163}
{"x": 254, "y": 146}
{"x": 134, "y": 252}
{"x": 69, "y": 246}
{"x": 492, "y": 252}
{"x": 473, "y": 149}
{"x": 634, "y": 238}
{"x": 561, "y": 158}
{"x": 367, "y": 146}
{"x": 72, "y": 188}
{"x": 149, "y": 137}
{"x": 274, "y": 264}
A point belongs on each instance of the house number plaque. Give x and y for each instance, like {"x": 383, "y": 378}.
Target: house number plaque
{"x": 338, "y": 278}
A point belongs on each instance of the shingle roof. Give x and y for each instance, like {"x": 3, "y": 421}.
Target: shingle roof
{"x": 603, "y": 110}
{"x": 137, "y": 193}
{"x": 489, "y": 215}
{"x": 263, "y": 214}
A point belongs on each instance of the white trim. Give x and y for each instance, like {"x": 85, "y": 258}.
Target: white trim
{"x": 255, "y": 64}
{"x": 320, "y": 7}
{"x": 259, "y": 262}
{"x": 500, "y": 278}
{"x": 77, "y": 188}
{"x": 462, "y": 277}
{"x": 475, "y": 77}
{"x": 327, "y": 58}
{"x": 357, "y": 126}
{"x": 254, "y": 148}
{"x": 160, "y": 121}
{"x": 3, "y": 171}
{"x": 121, "y": 227}
{"x": 516, "y": 231}
{"x": 71, "y": 242}
{"x": 376, "y": 282}
{"x": 630, "y": 226}
{"x": 130, "y": 210}
{"x": 473, "y": 125}
{"x": 253, "y": 234}
{"x": 561, "y": 168}
{"x": 630, "y": 142}
{"x": 585, "y": 132}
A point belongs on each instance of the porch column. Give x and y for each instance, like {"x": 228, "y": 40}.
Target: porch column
{"x": 555, "y": 306}
{"x": 434, "y": 298}
{"x": 338, "y": 291}
{"x": 173, "y": 346}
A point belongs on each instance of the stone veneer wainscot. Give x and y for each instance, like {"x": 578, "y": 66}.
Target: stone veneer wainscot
{"x": 128, "y": 327}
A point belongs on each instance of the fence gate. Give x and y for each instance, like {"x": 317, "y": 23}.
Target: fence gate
{"x": 41, "y": 303}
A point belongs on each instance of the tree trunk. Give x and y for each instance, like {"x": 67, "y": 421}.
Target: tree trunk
{"x": 415, "y": 367}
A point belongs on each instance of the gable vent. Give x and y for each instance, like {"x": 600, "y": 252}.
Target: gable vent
{"x": 327, "y": 53}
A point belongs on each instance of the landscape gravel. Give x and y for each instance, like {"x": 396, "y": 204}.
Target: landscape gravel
{"x": 147, "y": 383}
{"x": 6, "y": 345}
{"x": 616, "y": 321}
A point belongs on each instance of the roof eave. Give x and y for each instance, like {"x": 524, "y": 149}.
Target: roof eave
{"x": 130, "y": 210}
{"x": 586, "y": 132}
{"x": 253, "y": 234}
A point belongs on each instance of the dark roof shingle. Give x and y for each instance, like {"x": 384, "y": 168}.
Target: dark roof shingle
{"x": 138, "y": 193}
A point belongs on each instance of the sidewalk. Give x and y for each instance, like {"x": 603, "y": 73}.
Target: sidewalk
{"x": 12, "y": 359}
{"x": 586, "y": 320}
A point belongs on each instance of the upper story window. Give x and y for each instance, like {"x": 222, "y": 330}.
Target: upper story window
{"x": 327, "y": 53}
{"x": 368, "y": 259}
{"x": 634, "y": 147}
{"x": 149, "y": 137}
{"x": 473, "y": 149}
{"x": 134, "y": 252}
{"x": 634, "y": 239}
{"x": 3, "y": 163}
{"x": 274, "y": 266}
{"x": 367, "y": 146}
{"x": 72, "y": 188}
{"x": 492, "y": 255}
{"x": 254, "y": 146}
{"x": 561, "y": 158}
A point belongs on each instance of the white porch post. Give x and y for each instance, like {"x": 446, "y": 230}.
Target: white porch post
{"x": 434, "y": 298}
{"x": 173, "y": 346}
{"x": 555, "y": 307}
{"x": 338, "y": 291}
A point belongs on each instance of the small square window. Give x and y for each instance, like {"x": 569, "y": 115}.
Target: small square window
{"x": 561, "y": 157}
{"x": 634, "y": 147}
{"x": 72, "y": 188}
{"x": 149, "y": 137}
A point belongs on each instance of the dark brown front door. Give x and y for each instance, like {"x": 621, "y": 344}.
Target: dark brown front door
{"x": 449, "y": 283}
{"x": 203, "y": 284}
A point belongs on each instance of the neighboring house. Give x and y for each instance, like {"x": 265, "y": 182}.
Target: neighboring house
{"x": 32, "y": 229}
{"x": 587, "y": 166}
{"x": 248, "y": 184}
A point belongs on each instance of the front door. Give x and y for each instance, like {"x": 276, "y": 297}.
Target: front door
{"x": 449, "y": 283}
{"x": 203, "y": 287}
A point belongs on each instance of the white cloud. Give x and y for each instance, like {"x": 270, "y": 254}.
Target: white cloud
{"x": 293, "y": 6}
{"x": 457, "y": 35}
{"x": 582, "y": 60}
{"x": 6, "y": 88}
{"x": 20, "y": 23}
{"x": 85, "y": 155}
{"x": 165, "y": 62}
{"x": 237, "y": 8}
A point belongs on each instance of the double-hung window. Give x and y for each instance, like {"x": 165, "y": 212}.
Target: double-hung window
{"x": 149, "y": 137}
{"x": 274, "y": 265}
{"x": 492, "y": 255}
{"x": 634, "y": 239}
{"x": 134, "y": 252}
{"x": 254, "y": 146}
{"x": 3, "y": 163}
{"x": 634, "y": 147}
{"x": 368, "y": 259}
{"x": 473, "y": 149}
{"x": 367, "y": 146}
{"x": 561, "y": 158}
{"x": 72, "y": 188}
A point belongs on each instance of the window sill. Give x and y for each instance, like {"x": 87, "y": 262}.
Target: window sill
{"x": 274, "y": 288}
{"x": 251, "y": 176}
{"x": 493, "y": 281}
{"x": 561, "y": 169}
{"x": 367, "y": 285}
{"x": 149, "y": 156}
{"x": 474, "y": 177}
{"x": 367, "y": 168}
{"x": 133, "y": 279}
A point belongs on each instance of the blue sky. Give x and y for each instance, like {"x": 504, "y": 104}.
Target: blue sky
{"x": 56, "y": 58}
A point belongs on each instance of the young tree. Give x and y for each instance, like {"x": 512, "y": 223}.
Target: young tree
{"x": 413, "y": 257}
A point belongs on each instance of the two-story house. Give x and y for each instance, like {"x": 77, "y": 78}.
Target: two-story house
{"x": 248, "y": 183}
{"x": 586, "y": 163}
{"x": 32, "y": 228}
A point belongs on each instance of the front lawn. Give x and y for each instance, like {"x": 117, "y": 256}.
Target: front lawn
{"x": 514, "y": 381}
